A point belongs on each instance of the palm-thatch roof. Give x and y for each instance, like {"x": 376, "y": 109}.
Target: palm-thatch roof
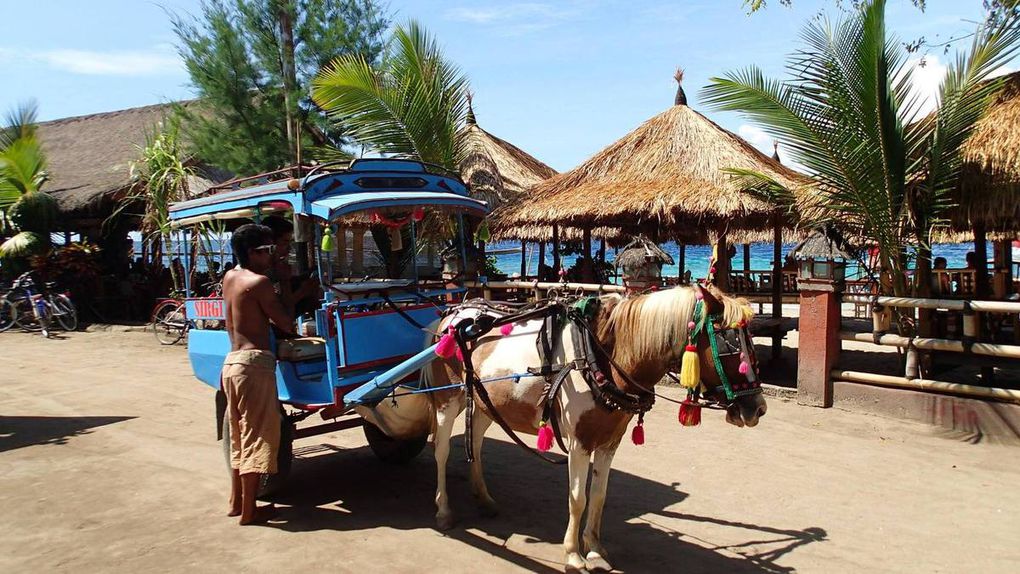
{"x": 668, "y": 173}
{"x": 89, "y": 157}
{"x": 642, "y": 251}
{"x": 990, "y": 183}
{"x": 494, "y": 169}
{"x": 823, "y": 243}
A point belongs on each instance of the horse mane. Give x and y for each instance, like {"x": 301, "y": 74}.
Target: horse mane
{"x": 654, "y": 326}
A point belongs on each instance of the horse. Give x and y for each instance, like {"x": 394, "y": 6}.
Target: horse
{"x": 638, "y": 339}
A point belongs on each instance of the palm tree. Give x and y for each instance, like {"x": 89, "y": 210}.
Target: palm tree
{"x": 413, "y": 106}
{"x": 25, "y": 208}
{"x": 848, "y": 114}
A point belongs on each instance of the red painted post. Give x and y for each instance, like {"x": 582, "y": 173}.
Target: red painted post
{"x": 818, "y": 341}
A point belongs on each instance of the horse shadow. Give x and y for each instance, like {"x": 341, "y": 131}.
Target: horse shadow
{"x": 332, "y": 488}
{"x": 18, "y": 432}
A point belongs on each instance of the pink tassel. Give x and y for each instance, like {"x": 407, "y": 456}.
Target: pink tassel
{"x": 637, "y": 436}
{"x": 744, "y": 367}
{"x": 545, "y": 437}
{"x": 506, "y": 329}
{"x": 691, "y": 325}
{"x": 447, "y": 345}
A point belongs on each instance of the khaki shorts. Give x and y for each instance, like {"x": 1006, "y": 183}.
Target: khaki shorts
{"x": 249, "y": 381}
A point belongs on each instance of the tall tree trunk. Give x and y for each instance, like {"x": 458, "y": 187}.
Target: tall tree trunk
{"x": 283, "y": 10}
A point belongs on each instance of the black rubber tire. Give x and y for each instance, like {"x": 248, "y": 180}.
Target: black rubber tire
{"x": 271, "y": 483}
{"x": 65, "y": 312}
{"x": 24, "y": 316}
{"x": 6, "y": 315}
{"x": 390, "y": 450}
{"x": 168, "y": 322}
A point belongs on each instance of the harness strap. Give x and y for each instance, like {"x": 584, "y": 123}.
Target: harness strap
{"x": 549, "y": 412}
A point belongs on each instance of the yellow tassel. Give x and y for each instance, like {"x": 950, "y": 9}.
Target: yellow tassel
{"x": 690, "y": 368}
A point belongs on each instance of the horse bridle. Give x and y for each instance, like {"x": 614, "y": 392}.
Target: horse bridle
{"x": 725, "y": 341}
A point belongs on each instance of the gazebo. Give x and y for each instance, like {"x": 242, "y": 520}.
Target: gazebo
{"x": 667, "y": 180}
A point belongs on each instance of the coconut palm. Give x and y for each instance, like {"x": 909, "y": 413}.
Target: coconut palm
{"x": 848, "y": 114}
{"x": 414, "y": 105}
{"x": 25, "y": 208}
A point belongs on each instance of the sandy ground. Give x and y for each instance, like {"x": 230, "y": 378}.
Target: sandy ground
{"x": 108, "y": 462}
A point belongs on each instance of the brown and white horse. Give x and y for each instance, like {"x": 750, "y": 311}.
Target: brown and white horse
{"x": 644, "y": 335}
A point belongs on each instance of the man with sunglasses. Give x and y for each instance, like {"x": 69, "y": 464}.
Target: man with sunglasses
{"x": 248, "y": 378}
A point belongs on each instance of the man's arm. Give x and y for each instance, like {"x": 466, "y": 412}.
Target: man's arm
{"x": 272, "y": 306}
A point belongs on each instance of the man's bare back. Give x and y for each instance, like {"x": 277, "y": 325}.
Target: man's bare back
{"x": 251, "y": 304}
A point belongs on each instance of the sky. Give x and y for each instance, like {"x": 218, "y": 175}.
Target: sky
{"x": 559, "y": 78}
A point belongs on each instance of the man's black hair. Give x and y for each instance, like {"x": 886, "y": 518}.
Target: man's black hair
{"x": 248, "y": 237}
{"x": 279, "y": 225}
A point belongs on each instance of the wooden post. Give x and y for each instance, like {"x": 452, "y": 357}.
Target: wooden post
{"x": 358, "y": 252}
{"x": 722, "y": 264}
{"x": 587, "y": 269}
{"x": 556, "y": 248}
{"x": 981, "y": 287}
{"x": 777, "y": 282}
{"x": 747, "y": 260}
{"x": 524, "y": 260}
{"x": 681, "y": 263}
{"x": 541, "y": 259}
{"x": 602, "y": 250}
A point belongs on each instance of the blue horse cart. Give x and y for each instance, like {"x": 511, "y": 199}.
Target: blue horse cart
{"x": 364, "y": 336}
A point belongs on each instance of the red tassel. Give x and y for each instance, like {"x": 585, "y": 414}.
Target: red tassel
{"x": 447, "y": 345}
{"x": 690, "y": 413}
{"x": 545, "y": 437}
{"x": 418, "y": 214}
{"x": 506, "y": 329}
{"x": 637, "y": 436}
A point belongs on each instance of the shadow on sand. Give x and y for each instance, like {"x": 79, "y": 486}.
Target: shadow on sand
{"x": 339, "y": 489}
{"x": 18, "y": 432}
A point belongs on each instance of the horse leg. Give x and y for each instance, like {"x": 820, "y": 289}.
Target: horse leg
{"x": 578, "y": 462}
{"x": 445, "y": 417}
{"x": 479, "y": 424}
{"x": 596, "y": 557}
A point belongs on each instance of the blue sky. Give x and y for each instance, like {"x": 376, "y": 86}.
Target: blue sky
{"x": 561, "y": 79}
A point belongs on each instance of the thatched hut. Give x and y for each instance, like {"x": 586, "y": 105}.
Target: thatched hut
{"x": 666, "y": 178}
{"x": 640, "y": 263}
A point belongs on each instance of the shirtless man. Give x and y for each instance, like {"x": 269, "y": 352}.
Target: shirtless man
{"x": 249, "y": 372}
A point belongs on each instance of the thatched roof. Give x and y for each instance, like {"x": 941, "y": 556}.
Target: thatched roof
{"x": 494, "y": 169}
{"x": 990, "y": 184}
{"x": 666, "y": 174}
{"x": 89, "y": 157}
{"x": 642, "y": 251}
{"x": 824, "y": 243}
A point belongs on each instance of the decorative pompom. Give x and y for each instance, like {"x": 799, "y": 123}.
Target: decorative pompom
{"x": 699, "y": 295}
{"x": 743, "y": 356}
{"x": 447, "y": 345}
{"x": 744, "y": 367}
{"x": 506, "y": 329}
{"x": 690, "y": 413}
{"x": 691, "y": 325}
{"x": 562, "y": 272}
{"x": 545, "y": 437}
{"x": 637, "y": 436}
{"x": 712, "y": 270}
{"x": 690, "y": 368}
{"x": 418, "y": 214}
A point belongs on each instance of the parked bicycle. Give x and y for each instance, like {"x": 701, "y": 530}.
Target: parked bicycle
{"x": 36, "y": 309}
{"x": 169, "y": 317}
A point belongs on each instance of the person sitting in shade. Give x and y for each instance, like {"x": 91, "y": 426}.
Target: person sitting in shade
{"x": 940, "y": 283}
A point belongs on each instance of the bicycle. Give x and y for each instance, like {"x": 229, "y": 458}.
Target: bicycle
{"x": 169, "y": 317}
{"x": 35, "y": 310}
{"x": 6, "y": 310}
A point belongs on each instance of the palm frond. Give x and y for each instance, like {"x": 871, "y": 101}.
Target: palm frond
{"x": 23, "y": 244}
{"x": 19, "y": 123}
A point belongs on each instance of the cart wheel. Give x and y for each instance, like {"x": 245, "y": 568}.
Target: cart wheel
{"x": 271, "y": 483}
{"x": 390, "y": 450}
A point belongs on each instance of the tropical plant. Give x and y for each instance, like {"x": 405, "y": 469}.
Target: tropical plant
{"x": 882, "y": 170}
{"x": 27, "y": 210}
{"x": 414, "y": 105}
{"x": 161, "y": 174}
{"x": 251, "y": 62}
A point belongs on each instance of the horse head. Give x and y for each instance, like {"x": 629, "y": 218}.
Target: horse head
{"x": 729, "y": 368}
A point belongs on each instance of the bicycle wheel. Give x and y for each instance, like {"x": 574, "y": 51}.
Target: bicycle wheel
{"x": 64, "y": 312}
{"x": 169, "y": 322}
{"x": 24, "y": 315}
{"x": 6, "y": 315}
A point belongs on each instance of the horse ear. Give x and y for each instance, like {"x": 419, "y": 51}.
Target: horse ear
{"x": 713, "y": 306}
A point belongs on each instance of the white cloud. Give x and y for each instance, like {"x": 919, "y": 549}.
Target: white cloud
{"x": 113, "y": 63}
{"x": 756, "y": 137}
{"x": 927, "y": 74}
{"x": 514, "y": 19}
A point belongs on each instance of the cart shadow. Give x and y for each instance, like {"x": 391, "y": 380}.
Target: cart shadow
{"x": 18, "y": 432}
{"x": 642, "y": 529}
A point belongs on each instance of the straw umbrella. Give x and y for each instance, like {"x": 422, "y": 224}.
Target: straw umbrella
{"x": 988, "y": 199}
{"x": 666, "y": 178}
{"x": 497, "y": 171}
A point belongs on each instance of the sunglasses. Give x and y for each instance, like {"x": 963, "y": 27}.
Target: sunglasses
{"x": 270, "y": 248}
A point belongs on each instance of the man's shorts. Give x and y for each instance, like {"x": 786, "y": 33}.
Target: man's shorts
{"x": 249, "y": 381}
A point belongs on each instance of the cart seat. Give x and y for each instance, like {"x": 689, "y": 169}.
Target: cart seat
{"x": 301, "y": 349}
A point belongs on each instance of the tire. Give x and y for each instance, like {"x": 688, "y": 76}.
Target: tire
{"x": 271, "y": 483}
{"x": 169, "y": 322}
{"x": 24, "y": 316}
{"x": 391, "y": 450}
{"x": 6, "y": 315}
{"x": 64, "y": 312}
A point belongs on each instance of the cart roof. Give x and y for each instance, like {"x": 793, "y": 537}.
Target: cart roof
{"x": 363, "y": 185}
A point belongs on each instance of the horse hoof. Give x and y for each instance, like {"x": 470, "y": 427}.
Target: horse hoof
{"x": 596, "y": 563}
{"x": 445, "y": 521}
